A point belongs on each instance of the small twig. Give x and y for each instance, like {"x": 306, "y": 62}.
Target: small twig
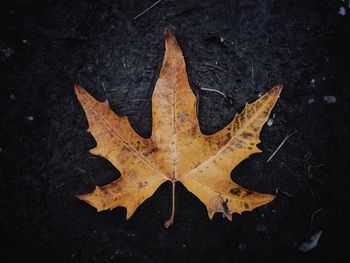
{"x": 308, "y": 166}
{"x": 214, "y": 90}
{"x": 286, "y": 193}
{"x": 170, "y": 221}
{"x": 279, "y": 147}
{"x": 123, "y": 61}
{"x": 215, "y": 66}
{"x": 59, "y": 186}
{"x": 228, "y": 99}
{"x": 103, "y": 86}
{"x": 81, "y": 170}
{"x": 313, "y": 215}
{"x": 283, "y": 192}
{"x": 149, "y": 8}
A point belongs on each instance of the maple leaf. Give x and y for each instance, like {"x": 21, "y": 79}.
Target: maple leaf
{"x": 177, "y": 151}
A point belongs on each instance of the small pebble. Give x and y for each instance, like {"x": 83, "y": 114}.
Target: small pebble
{"x": 12, "y": 97}
{"x": 330, "y": 99}
{"x": 222, "y": 39}
{"x": 0, "y": 150}
{"x": 30, "y": 118}
{"x": 311, "y": 243}
{"x": 342, "y": 11}
{"x": 242, "y": 246}
{"x": 269, "y": 122}
{"x": 310, "y": 101}
{"x": 7, "y": 52}
{"x": 261, "y": 228}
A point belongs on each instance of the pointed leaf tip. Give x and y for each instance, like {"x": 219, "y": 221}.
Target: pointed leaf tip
{"x": 168, "y": 33}
{"x": 76, "y": 88}
{"x": 170, "y": 42}
{"x": 276, "y": 90}
{"x": 79, "y": 91}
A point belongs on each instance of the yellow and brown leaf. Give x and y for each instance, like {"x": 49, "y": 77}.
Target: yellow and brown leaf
{"x": 177, "y": 151}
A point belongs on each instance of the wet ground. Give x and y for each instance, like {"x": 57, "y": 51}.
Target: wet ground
{"x": 241, "y": 48}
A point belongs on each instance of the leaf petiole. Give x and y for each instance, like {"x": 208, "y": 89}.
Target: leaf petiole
{"x": 170, "y": 221}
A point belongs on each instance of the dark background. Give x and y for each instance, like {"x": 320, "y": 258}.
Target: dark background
{"x": 242, "y": 48}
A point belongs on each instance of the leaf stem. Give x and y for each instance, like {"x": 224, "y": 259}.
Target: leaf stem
{"x": 170, "y": 221}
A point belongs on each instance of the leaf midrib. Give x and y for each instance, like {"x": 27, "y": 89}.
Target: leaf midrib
{"x": 141, "y": 155}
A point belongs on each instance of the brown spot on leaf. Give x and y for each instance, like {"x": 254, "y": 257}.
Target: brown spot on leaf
{"x": 194, "y": 129}
{"x": 246, "y": 206}
{"x": 182, "y": 117}
{"x": 152, "y": 150}
{"x": 248, "y": 193}
{"x": 238, "y": 145}
{"x": 235, "y": 191}
{"x": 246, "y": 135}
{"x": 142, "y": 184}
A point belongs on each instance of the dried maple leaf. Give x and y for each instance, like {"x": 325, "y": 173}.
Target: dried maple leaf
{"x": 177, "y": 150}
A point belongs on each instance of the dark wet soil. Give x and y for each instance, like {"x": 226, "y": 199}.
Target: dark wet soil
{"x": 241, "y": 48}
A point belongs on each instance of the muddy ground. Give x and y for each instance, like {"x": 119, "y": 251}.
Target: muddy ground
{"x": 241, "y": 48}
